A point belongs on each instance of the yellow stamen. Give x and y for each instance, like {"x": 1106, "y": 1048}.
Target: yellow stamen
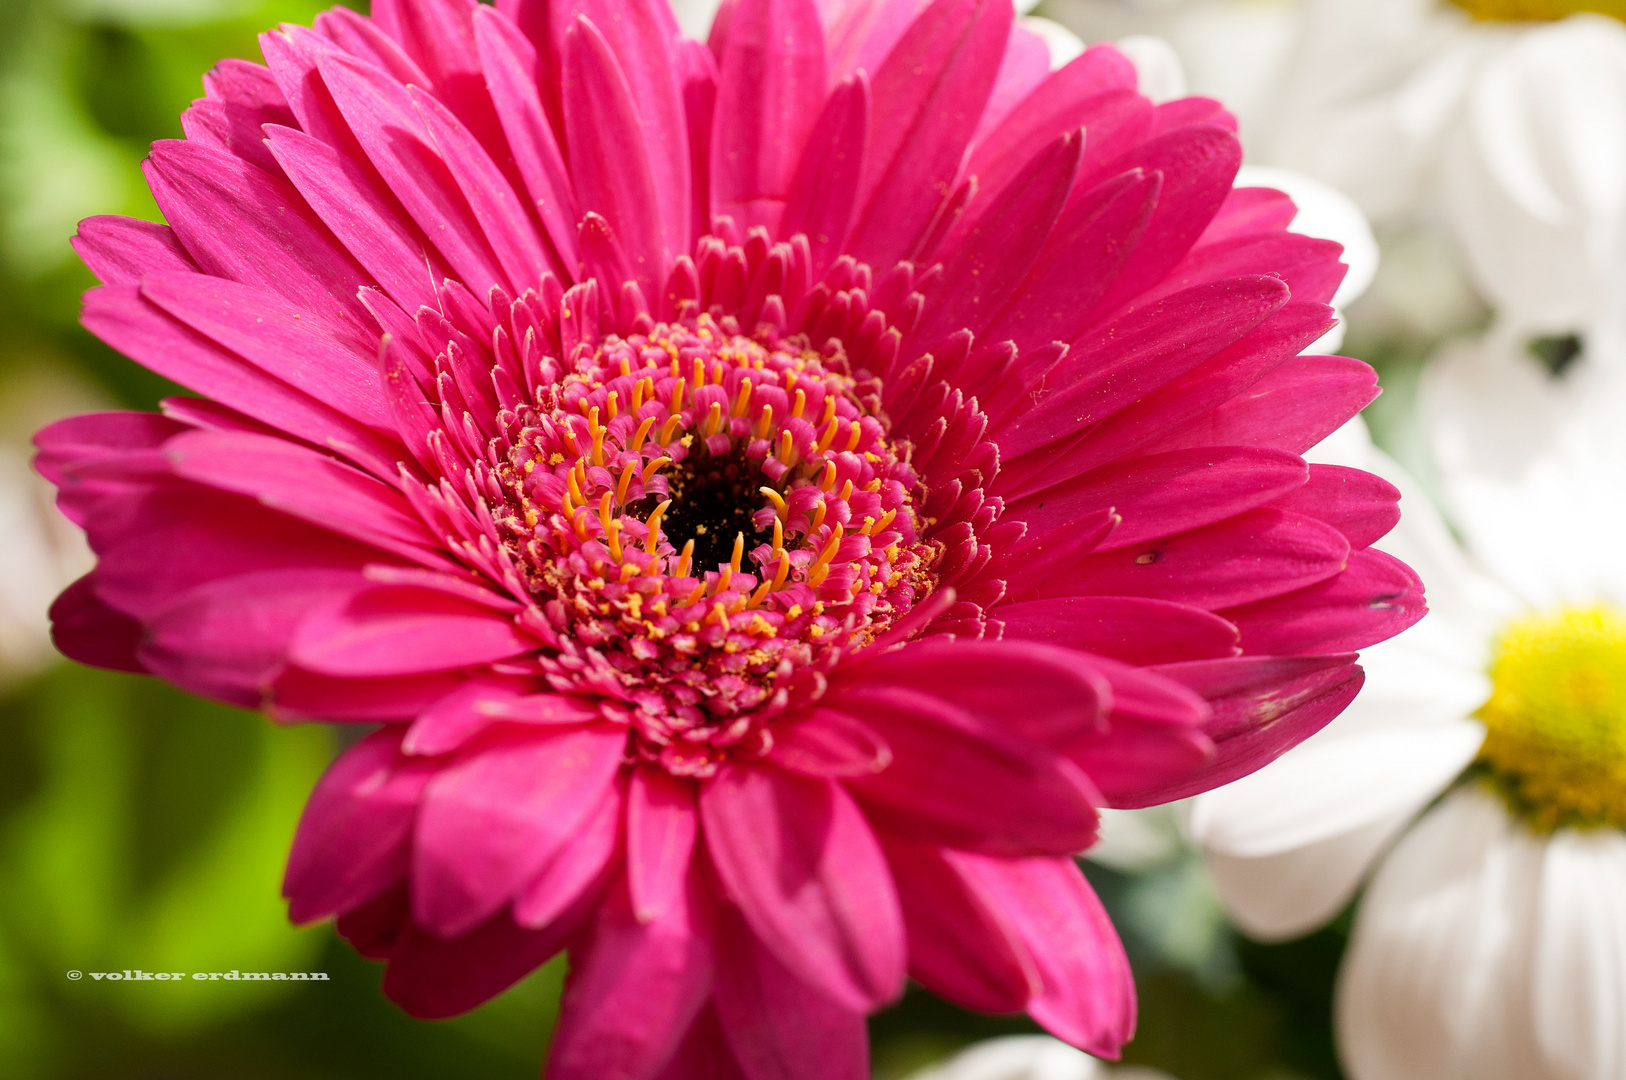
{"x": 743, "y": 401}
{"x": 855, "y": 431}
{"x": 765, "y": 421}
{"x": 779, "y": 506}
{"x": 827, "y": 479}
{"x": 685, "y": 559}
{"x": 676, "y": 405}
{"x": 641, "y": 434}
{"x": 596, "y": 431}
{"x": 799, "y": 404}
{"x": 654, "y": 538}
{"x": 611, "y": 402}
{"x": 625, "y": 482}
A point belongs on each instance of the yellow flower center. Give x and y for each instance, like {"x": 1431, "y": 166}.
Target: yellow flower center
{"x": 1556, "y": 720}
{"x": 1539, "y": 10}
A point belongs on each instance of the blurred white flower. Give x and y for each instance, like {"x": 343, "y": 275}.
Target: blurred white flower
{"x": 1492, "y": 942}
{"x": 1029, "y": 1057}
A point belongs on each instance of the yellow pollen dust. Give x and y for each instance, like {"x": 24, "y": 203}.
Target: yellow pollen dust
{"x": 1555, "y": 723}
{"x": 1538, "y": 10}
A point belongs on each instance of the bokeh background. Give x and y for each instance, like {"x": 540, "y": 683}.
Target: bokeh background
{"x": 140, "y": 828}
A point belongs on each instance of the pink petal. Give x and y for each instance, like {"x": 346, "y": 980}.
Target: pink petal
{"x": 582, "y": 867}
{"x": 826, "y": 743}
{"x": 929, "y": 94}
{"x": 491, "y": 821}
{"x": 1358, "y": 504}
{"x": 1089, "y": 993}
{"x": 989, "y": 253}
{"x": 1044, "y": 693}
{"x": 239, "y": 223}
{"x": 1168, "y": 493}
{"x": 1025, "y": 65}
{"x": 450, "y": 723}
{"x": 226, "y": 639}
{"x": 361, "y": 213}
{"x": 662, "y": 824}
{"x": 635, "y": 988}
{"x": 405, "y": 630}
{"x": 962, "y": 783}
{"x": 297, "y": 694}
{"x": 380, "y": 114}
{"x": 770, "y": 90}
{"x": 1250, "y": 210}
{"x": 1374, "y": 599}
{"x": 825, "y": 186}
{"x": 619, "y": 183}
{"x": 1262, "y": 707}
{"x": 1249, "y": 557}
{"x": 778, "y": 1026}
{"x": 1113, "y": 367}
{"x": 1076, "y": 96}
{"x": 509, "y": 61}
{"x": 85, "y": 629}
{"x": 353, "y": 838}
{"x": 1292, "y": 408}
{"x": 508, "y": 227}
{"x": 138, "y": 328}
{"x": 433, "y": 978}
{"x": 1129, "y": 628}
{"x": 1189, "y": 399}
{"x": 961, "y": 946}
{"x": 287, "y": 477}
{"x": 121, "y": 250}
{"x": 799, "y": 859}
{"x": 704, "y": 1053}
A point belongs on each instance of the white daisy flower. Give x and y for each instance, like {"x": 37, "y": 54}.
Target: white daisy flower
{"x": 1491, "y": 942}
{"x": 1030, "y": 1057}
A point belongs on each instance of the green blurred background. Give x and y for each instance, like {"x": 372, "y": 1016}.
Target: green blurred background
{"x": 142, "y": 829}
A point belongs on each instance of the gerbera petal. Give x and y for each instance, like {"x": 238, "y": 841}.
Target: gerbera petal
{"x": 379, "y": 112}
{"x": 405, "y": 630}
{"x": 704, "y": 1053}
{"x": 980, "y": 274}
{"x": 1253, "y": 555}
{"x": 599, "y": 111}
{"x": 778, "y": 1026}
{"x": 241, "y": 224}
{"x": 1168, "y": 493}
{"x": 1140, "y": 353}
{"x": 1376, "y": 597}
{"x": 1358, "y": 504}
{"x": 1262, "y": 707}
{"x": 583, "y": 867}
{"x": 458, "y": 717}
{"x": 433, "y": 978}
{"x": 227, "y": 638}
{"x": 960, "y": 782}
{"x": 825, "y": 186}
{"x": 799, "y": 859}
{"x": 352, "y": 843}
{"x": 929, "y": 94}
{"x": 240, "y": 97}
{"x": 493, "y": 819}
{"x": 1129, "y": 628}
{"x": 1088, "y": 995}
{"x": 662, "y": 825}
{"x": 509, "y": 61}
{"x": 297, "y": 694}
{"x": 121, "y": 250}
{"x": 770, "y": 90}
{"x": 635, "y": 988}
{"x": 362, "y": 215}
{"x": 961, "y": 945}
{"x": 120, "y": 316}
{"x": 827, "y": 743}
{"x": 86, "y": 629}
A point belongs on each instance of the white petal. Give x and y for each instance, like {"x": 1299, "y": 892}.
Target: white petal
{"x": 1580, "y": 967}
{"x": 1064, "y": 45}
{"x": 1328, "y": 214}
{"x": 694, "y": 16}
{"x": 1161, "y": 77}
{"x": 1326, "y": 788}
{"x": 1280, "y": 897}
{"x": 1431, "y": 943}
{"x": 1016, "y": 1057}
{"x": 1535, "y": 183}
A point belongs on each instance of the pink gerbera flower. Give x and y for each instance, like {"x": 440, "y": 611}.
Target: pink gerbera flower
{"x": 768, "y": 493}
